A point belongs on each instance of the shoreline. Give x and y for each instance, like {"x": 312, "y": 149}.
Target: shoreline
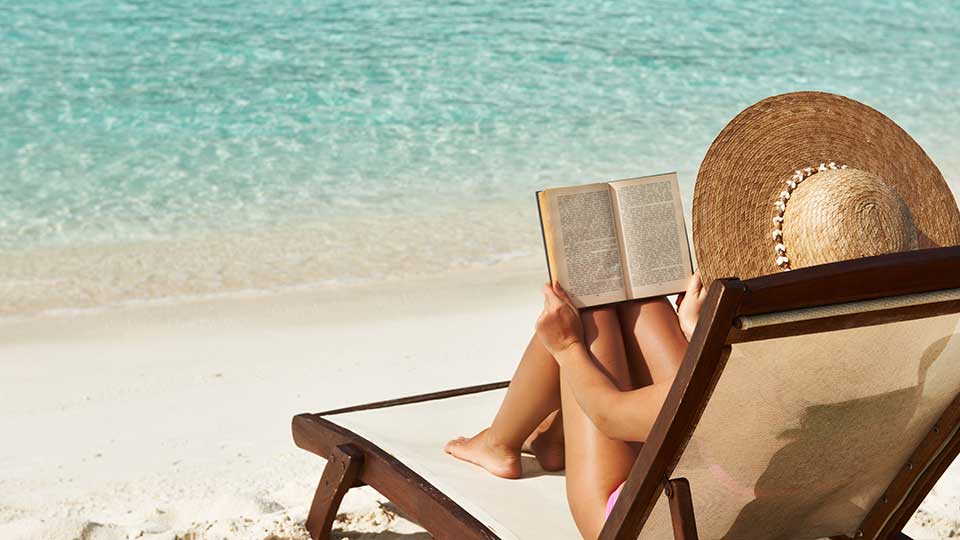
{"x": 365, "y": 246}
{"x": 287, "y": 302}
{"x": 77, "y": 279}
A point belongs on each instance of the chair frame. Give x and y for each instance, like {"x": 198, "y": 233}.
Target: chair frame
{"x": 354, "y": 461}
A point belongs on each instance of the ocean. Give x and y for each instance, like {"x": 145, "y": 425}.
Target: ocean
{"x": 160, "y": 149}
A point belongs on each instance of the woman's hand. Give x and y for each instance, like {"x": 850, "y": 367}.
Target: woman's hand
{"x": 689, "y": 304}
{"x": 558, "y": 326}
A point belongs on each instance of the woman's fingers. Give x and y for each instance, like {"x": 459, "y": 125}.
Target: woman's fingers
{"x": 555, "y": 298}
{"x": 694, "y": 286}
{"x": 703, "y": 290}
{"x": 689, "y": 311}
{"x": 548, "y": 294}
{"x": 562, "y": 295}
{"x": 550, "y": 300}
{"x": 558, "y": 290}
{"x": 559, "y": 325}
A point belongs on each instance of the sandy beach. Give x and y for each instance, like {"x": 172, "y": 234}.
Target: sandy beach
{"x": 171, "y": 420}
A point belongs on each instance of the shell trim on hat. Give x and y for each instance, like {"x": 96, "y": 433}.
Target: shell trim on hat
{"x": 780, "y": 205}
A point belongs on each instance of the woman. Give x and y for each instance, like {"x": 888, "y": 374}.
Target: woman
{"x": 793, "y": 181}
{"x": 589, "y": 386}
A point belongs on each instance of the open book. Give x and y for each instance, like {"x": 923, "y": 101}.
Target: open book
{"x": 616, "y": 241}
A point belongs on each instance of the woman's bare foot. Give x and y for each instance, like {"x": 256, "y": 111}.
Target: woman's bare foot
{"x": 481, "y": 450}
{"x": 546, "y": 443}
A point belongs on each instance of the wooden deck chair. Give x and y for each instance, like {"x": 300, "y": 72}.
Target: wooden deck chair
{"x": 818, "y": 403}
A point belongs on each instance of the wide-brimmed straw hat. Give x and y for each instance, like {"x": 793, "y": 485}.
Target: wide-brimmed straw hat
{"x": 808, "y": 178}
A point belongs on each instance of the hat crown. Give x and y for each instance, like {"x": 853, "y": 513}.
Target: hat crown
{"x": 754, "y": 158}
{"x": 837, "y": 215}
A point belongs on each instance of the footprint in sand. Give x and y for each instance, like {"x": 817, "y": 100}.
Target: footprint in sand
{"x": 100, "y": 531}
{"x": 9, "y": 513}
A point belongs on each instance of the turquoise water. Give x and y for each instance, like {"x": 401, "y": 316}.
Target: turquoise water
{"x": 137, "y": 122}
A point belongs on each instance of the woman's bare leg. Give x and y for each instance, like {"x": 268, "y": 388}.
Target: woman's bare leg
{"x": 654, "y": 343}
{"x": 533, "y": 395}
{"x": 596, "y": 464}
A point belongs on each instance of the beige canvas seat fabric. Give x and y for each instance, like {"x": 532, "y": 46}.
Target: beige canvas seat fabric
{"x": 802, "y": 434}
{"x": 530, "y": 508}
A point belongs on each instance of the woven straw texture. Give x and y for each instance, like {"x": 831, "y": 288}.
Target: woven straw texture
{"x": 749, "y": 162}
{"x": 845, "y": 214}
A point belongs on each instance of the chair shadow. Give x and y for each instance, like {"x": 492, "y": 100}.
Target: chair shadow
{"x": 385, "y": 535}
{"x": 532, "y": 468}
{"x": 827, "y": 461}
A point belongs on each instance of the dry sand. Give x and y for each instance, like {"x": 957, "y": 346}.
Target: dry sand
{"x": 171, "y": 420}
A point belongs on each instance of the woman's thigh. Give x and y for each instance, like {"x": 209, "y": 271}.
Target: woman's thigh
{"x": 595, "y": 464}
{"x": 653, "y": 340}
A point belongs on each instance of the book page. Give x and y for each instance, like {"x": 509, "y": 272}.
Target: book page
{"x": 582, "y": 246}
{"x": 654, "y": 236}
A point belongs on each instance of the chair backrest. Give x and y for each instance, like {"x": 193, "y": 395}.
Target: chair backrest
{"x": 818, "y": 419}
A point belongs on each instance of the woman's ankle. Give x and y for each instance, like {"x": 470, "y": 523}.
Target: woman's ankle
{"x": 494, "y": 440}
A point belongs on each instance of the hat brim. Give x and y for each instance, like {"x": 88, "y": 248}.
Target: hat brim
{"x": 747, "y": 165}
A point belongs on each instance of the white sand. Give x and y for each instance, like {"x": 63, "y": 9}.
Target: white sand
{"x": 171, "y": 421}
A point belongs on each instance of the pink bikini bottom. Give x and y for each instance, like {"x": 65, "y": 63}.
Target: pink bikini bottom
{"x": 612, "y": 500}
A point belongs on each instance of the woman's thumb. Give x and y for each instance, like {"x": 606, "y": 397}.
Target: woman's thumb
{"x": 694, "y": 285}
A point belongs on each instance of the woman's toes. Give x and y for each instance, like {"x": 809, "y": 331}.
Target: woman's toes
{"x": 452, "y": 443}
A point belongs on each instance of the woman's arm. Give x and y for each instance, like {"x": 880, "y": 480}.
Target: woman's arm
{"x": 624, "y": 415}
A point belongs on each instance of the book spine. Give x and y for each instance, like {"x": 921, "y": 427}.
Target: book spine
{"x": 543, "y": 235}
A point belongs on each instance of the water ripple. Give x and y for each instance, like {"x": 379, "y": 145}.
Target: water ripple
{"x": 140, "y": 121}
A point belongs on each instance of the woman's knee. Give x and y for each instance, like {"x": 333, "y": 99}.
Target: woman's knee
{"x": 600, "y": 322}
{"x": 602, "y": 334}
{"x": 631, "y": 311}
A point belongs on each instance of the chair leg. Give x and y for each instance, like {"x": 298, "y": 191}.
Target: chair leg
{"x": 341, "y": 473}
{"x": 681, "y": 509}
